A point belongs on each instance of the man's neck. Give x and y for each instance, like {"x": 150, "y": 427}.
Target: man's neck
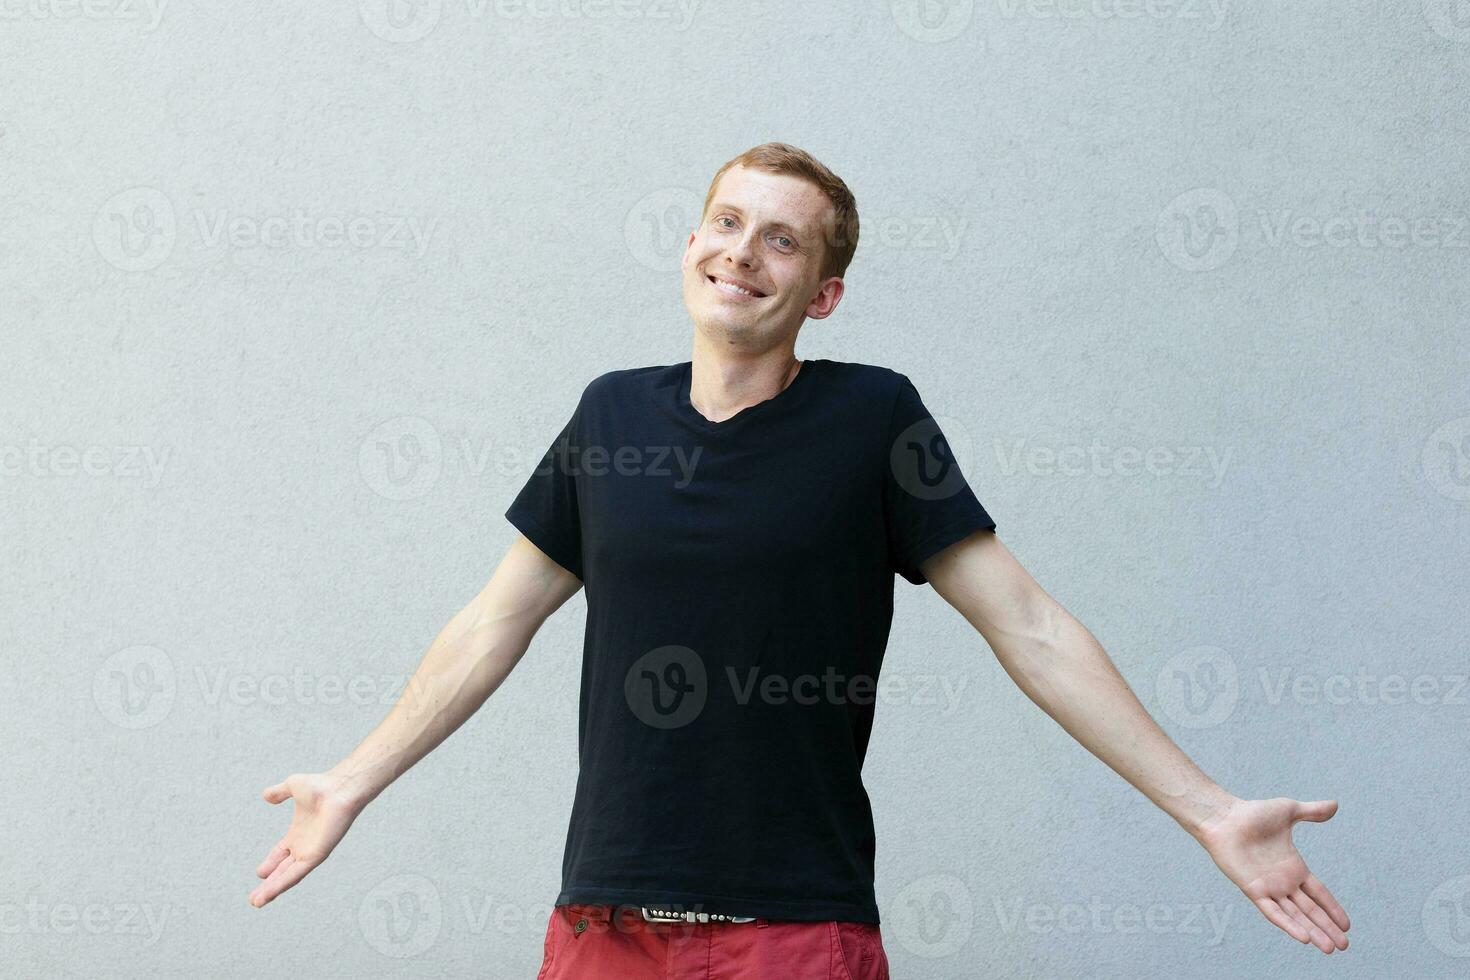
{"x": 722, "y": 383}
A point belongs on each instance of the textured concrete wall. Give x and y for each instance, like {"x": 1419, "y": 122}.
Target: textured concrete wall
{"x": 293, "y": 298}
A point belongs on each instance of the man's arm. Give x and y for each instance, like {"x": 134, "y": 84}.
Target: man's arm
{"x": 1061, "y": 667}
{"x": 464, "y": 665}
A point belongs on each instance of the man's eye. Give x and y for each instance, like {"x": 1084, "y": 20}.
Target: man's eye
{"x": 784, "y": 241}
{"x": 724, "y": 217}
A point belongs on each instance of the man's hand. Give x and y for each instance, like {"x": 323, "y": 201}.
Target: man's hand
{"x": 1061, "y": 667}
{"x": 321, "y": 818}
{"x": 1251, "y": 842}
{"x": 467, "y": 661}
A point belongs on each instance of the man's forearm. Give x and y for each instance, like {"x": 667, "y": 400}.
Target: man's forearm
{"x": 1065, "y": 671}
{"x": 464, "y": 665}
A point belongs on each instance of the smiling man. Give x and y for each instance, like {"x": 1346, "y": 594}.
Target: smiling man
{"x": 737, "y": 615}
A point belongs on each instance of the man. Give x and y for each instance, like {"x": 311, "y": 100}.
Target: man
{"x": 737, "y": 520}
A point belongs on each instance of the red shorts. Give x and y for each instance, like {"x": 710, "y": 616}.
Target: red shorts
{"x": 604, "y": 942}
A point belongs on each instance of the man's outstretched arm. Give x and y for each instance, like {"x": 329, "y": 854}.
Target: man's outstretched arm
{"x": 464, "y": 665}
{"x": 1060, "y": 666}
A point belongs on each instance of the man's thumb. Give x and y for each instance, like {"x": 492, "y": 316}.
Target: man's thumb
{"x": 276, "y": 793}
{"x": 1316, "y": 811}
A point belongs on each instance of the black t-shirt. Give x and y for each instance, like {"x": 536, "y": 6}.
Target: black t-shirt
{"x": 739, "y": 585}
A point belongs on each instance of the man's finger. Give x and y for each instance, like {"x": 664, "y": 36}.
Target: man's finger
{"x": 1317, "y": 811}
{"x": 266, "y": 891}
{"x": 1322, "y": 919}
{"x": 1317, "y": 937}
{"x": 272, "y": 859}
{"x": 288, "y": 873}
{"x": 1281, "y": 920}
{"x": 276, "y": 793}
{"x": 1313, "y": 887}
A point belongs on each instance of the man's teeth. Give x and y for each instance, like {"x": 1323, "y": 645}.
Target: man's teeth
{"x": 730, "y": 287}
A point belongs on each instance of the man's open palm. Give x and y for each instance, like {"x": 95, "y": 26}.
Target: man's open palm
{"x": 1251, "y": 843}
{"x": 319, "y": 822}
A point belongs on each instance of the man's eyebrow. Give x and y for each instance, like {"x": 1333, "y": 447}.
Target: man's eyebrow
{"x": 783, "y": 225}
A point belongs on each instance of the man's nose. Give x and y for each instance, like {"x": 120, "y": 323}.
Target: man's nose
{"x": 742, "y": 251}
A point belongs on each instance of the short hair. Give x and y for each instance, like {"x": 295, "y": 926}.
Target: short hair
{"x": 841, "y": 233}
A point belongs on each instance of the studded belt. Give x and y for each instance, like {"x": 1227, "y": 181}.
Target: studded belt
{"x": 663, "y": 915}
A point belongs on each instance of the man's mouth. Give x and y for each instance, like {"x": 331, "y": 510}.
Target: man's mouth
{"x": 734, "y": 288}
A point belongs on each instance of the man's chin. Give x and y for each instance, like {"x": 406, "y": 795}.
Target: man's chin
{"x": 721, "y": 323}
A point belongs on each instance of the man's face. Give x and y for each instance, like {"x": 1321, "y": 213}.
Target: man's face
{"x": 763, "y": 231}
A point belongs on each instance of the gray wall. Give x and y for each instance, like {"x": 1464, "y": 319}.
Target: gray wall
{"x": 293, "y": 300}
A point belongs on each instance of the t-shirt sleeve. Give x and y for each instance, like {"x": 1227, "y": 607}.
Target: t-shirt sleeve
{"x": 546, "y": 510}
{"x": 927, "y": 503}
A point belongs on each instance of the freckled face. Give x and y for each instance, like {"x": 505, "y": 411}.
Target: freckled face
{"x": 752, "y": 269}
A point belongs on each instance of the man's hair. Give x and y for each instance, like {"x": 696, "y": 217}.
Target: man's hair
{"x": 782, "y": 158}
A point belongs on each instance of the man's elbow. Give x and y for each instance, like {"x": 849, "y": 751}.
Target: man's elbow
{"x": 1033, "y": 629}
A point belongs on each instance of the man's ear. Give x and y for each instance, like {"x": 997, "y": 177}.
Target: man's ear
{"x": 828, "y": 296}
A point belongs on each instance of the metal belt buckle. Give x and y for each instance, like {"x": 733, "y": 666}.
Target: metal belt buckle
{"x": 661, "y": 915}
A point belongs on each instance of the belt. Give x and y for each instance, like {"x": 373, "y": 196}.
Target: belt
{"x": 663, "y": 915}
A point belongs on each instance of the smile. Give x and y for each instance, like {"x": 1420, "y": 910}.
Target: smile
{"x": 726, "y": 286}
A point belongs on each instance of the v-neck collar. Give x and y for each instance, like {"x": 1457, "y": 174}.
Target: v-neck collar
{"x": 691, "y": 414}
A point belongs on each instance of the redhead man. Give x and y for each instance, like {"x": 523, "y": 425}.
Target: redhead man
{"x": 737, "y": 521}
